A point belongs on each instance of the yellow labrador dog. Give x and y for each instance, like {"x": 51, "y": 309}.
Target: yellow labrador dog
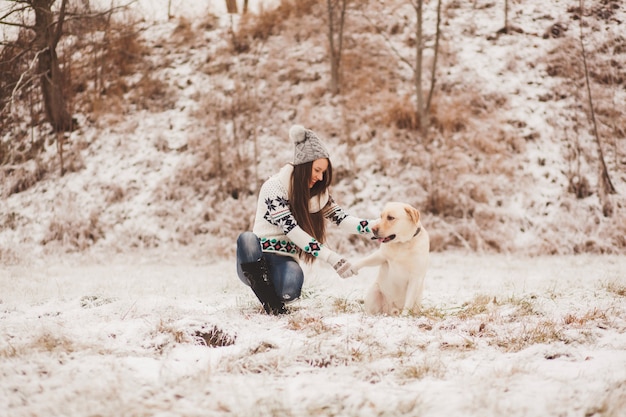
{"x": 403, "y": 258}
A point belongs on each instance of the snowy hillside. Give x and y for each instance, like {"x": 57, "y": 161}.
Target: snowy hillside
{"x": 510, "y": 135}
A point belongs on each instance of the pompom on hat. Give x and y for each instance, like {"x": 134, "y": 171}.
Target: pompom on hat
{"x": 308, "y": 146}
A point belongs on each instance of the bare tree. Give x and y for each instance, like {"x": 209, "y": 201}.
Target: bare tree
{"x": 424, "y": 109}
{"x": 41, "y": 27}
{"x": 419, "y": 52}
{"x": 422, "y": 106}
{"x": 606, "y": 185}
{"x": 506, "y": 16}
{"x": 48, "y": 31}
{"x": 336, "y": 20}
{"x": 433, "y": 71}
{"x": 231, "y": 6}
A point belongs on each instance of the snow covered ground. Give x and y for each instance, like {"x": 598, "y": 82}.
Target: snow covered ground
{"x": 137, "y": 336}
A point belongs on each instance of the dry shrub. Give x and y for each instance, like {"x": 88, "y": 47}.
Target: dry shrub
{"x": 578, "y": 320}
{"x": 445, "y": 202}
{"x": 447, "y": 196}
{"x": 478, "y": 306}
{"x": 450, "y": 114}
{"x": 617, "y": 288}
{"x": 151, "y": 93}
{"x": 346, "y": 306}
{"x": 50, "y": 342}
{"x": 427, "y": 367}
{"x": 612, "y": 119}
{"x": 73, "y": 160}
{"x": 487, "y": 143}
{"x": 314, "y": 325}
{"x": 125, "y": 49}
{"x": 73, "y": 229}
{"x": 20, "y": 178}
{"x": 565, "y": 60}
{"x": 114, "y": 193}
{"x": 111, "y": 53}
{"x": 367, "y": 76}
{"x": 528, "y": 334}
{"x": 194, "y": 175}
{"x": 268, "y": 22}
{"x": 183, "y": 33}
{"x": 400, "y": 113}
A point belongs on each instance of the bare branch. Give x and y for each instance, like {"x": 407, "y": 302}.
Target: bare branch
{"x": 30, "y": 67}
{"x": 606, "y": 182}
{"x": 387, "y": 39}
{"x": 59, "y": 29}
{"x": 433, "y": 74}
{"x": 10, "y": 12}
{"x": 74, "y": 16}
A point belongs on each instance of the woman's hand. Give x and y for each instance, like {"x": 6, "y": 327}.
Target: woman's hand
{"x": 344, "y": 268}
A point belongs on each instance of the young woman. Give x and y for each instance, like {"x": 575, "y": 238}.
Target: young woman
{"x": 289, "y": 226}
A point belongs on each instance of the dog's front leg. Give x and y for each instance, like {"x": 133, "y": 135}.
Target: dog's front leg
{"x": 374, "y": 259}
{"x": 413, "y": 296}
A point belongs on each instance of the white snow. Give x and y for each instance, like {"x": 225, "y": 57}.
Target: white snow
{"x": 114, "y": 339}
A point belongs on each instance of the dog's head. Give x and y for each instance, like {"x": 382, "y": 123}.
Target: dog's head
{"x": 398, "y": 223}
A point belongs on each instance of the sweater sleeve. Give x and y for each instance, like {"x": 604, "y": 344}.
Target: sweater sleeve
{"x": 350, "y": 224}
{"x": 278, "y": 213}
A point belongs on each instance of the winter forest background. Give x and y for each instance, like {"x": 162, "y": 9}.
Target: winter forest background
{"x": 134, "y": 138}
{"x": 163, "y": 127}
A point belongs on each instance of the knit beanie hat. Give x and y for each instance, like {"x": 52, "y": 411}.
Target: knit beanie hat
{"x": 308, "y": 146}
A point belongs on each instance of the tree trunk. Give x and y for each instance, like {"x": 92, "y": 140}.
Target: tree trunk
{"x": 335, "y": 41}
{"x": 433, "y": 74}
{"x": 605, "y": 184}
{"x": 231, "y": 6}
{"x": 506, "y": 16}
{"x": 47, "y": 35}
{"x": 418, "y": 68}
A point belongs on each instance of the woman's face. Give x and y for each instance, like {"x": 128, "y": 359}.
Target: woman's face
{"x": 318, "y": 169}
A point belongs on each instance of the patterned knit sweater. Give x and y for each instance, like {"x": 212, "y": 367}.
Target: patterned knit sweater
{"x": 278, "y": 230}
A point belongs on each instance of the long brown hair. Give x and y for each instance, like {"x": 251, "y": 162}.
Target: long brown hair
{"x": 312, "y": 223}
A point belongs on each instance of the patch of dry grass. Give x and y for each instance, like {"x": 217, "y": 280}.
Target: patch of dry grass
{"x": 427, "y": 367}
{"x": 478, "y": 306}
{"x": 46, "y": 341}
{"x": 616, "y": 288}
{"x": 346, "y": 305}
{"x": 582, "y": 320}
{"x": 528, "y": 334}
{"x": 313, "y": 325}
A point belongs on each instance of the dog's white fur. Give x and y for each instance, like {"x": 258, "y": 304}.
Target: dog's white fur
{"x": 403, "y": 258}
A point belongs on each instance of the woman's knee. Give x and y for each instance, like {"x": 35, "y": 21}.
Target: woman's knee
{"x": 248, "y": 250}
{"x": 248, "y": 247}
{"x": 291, "y": 280}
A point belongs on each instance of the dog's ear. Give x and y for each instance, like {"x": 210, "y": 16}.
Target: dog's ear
{"x": 413, "y": 214}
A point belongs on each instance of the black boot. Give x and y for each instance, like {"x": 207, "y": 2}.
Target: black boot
{"x": 258, "y": 274}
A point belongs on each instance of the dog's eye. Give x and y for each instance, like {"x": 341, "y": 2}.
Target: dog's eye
{"x": 390, "y": 218}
